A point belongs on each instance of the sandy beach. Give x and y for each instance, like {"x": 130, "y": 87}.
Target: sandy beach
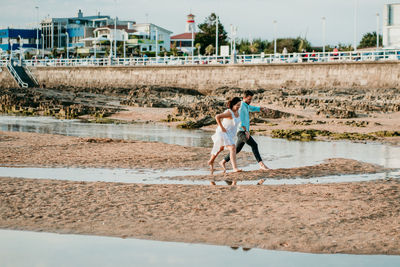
{"x": 361, "y": 218}
{"x": 46, "y": 150}
{"x": 356, "y": 218}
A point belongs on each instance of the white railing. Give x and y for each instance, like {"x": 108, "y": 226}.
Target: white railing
{"x": 310, "y": 57}
{"x": 11, "y": 69}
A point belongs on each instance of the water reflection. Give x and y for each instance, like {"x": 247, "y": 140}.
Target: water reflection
{"x": 166, "y": 177}
{"x": 22, "y": 248}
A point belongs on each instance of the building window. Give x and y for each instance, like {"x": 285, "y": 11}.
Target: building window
{"x": 149, "y": 47}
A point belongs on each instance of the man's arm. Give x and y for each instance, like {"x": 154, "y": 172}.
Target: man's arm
{"x": 254, "y": 109}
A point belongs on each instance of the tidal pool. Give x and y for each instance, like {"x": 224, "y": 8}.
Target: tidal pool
{"x": 277, "y": 153}
{"x": 30, "y": 249}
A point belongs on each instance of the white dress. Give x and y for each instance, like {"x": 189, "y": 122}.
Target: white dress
{"x": 225, "y": 139}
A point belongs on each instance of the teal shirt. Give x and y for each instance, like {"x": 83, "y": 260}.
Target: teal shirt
{"x": 244, "y": 115}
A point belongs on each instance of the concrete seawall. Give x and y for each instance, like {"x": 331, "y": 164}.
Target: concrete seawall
{"x": 369, "y": 75}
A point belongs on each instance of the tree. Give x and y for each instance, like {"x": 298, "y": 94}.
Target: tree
{"x": 254, "y": 47}
{"x": 173, "y": 49}
{"x": 209, "y": 50}
{"x": 369, "y": 40}
{"x": 206, "y": 36}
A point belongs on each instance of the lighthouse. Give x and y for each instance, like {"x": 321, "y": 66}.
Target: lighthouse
{"x": 190, "y": 25}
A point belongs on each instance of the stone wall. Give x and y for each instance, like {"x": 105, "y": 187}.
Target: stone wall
{"x": 6, "y": 80}
{"x": 206, "y": 78}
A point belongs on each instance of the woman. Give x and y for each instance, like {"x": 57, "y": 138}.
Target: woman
{"x": 225, "y": 134}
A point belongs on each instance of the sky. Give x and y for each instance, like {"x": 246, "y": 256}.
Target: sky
{"x": 253, "y": 18}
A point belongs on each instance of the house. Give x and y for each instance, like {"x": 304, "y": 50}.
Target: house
{"x": 185, "y": 41}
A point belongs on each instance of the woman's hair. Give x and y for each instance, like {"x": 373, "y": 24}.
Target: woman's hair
{"x": 233, "y": 102}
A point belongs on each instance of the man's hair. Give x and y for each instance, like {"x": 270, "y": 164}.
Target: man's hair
{"x": 248, "y": 93}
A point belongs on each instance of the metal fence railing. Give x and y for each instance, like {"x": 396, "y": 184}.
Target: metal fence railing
{"x": 310, "y": 57}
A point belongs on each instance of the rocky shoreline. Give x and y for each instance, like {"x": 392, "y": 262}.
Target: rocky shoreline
{"x": 354, "y": 114}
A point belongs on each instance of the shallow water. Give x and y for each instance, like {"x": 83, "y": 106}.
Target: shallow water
{"x": 136, "y": 131}
{"x": 22, "y": 248}
{"x": 277, "y": 153}
{"x": 158, "y": 177}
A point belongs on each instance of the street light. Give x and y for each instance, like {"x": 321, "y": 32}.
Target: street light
{"x": 67, "y": 34}
{"x": 20, "y": 49}
{"x": 323, "y": 34}
{"x": 275, "y": 22}
{"x": 11, "y": 49}
{"x": 216, "y": 36}
{"x": 123, "y": 36}
{"x": 377, "y": 30}
{"x": 355, "y": 25}
{"x": 115, "y": 37}
{"x": 37, "y": 30}
{"x": 42, "y": 45}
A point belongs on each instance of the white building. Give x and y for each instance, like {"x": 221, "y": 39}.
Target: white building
{"x": 391, "y": 26}
{"x": 147, "y": 34}
{"x": 136, "y": 36}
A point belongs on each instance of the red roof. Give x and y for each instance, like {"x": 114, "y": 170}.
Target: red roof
{"x": 182, "y": 36}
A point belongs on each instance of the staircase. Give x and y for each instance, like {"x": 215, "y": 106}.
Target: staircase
{"x": 22, "y": 75}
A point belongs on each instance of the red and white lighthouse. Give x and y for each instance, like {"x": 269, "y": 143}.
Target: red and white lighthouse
{"x": 190, "y": 24}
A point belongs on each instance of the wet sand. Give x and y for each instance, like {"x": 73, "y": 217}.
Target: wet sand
{"x": 47, "y": 150}
{"x": 337, "y": 166}
{"x": 361, "y": 218}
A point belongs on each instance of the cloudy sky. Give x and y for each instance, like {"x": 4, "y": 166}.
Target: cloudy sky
{"x": 252, "y": 17}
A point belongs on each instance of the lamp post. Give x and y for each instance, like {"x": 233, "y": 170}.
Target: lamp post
{"x": 37, "y": 30}
{"x": 124, "y": 35}
{"x": 115, "y": 37}
{"x": 377, "y": 30}
{"x": 67, "y": 34}
{"x": 192, "y": 44}
{"x": 275, "y": 22}
{"x": 355, "y": 25}
{"x": 323, "y": 35}
{"x": 11, "y": 49}
{"x": 42, "y": 45}
{"x": 216, "y": 36}
{"x": 20, "y": 49}
{"x": 156, "y": 44}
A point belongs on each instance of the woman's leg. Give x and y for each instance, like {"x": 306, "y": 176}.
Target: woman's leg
{"x": 232, "y": 151}
{"x": 212, "y": 159}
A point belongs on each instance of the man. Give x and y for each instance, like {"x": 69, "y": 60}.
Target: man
{"x": 243, "y": 133}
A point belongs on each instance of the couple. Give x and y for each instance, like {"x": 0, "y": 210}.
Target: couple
{"x": 235, "y": 120}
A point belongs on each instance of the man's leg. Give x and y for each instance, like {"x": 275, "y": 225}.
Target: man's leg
{"x": 254, "y": 147}
{"x": 241, "y": 140}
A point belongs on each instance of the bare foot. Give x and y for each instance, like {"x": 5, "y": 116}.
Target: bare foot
{"x": 234, "y": 182}
{"x": 261, "y": 182}
{"x": 263, "y": 167}
{"x": 222, "y": 164}
{"x": 237, "y": 170}
{"x": 211, "y": 164}
{"x": 212, "y": 183}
